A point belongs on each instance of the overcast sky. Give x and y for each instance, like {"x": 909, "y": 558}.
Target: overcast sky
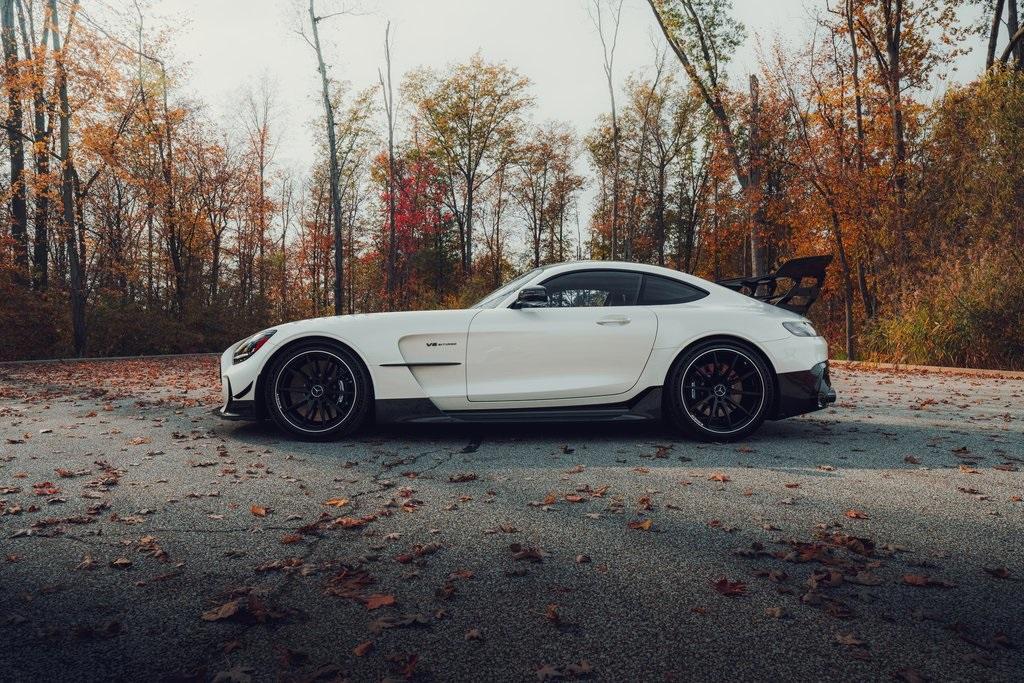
{"x": 229, "y": 43}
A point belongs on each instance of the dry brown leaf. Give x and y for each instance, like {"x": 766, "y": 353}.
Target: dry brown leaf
{"x": 225, "y": 611}
{"x": 378, "y": 600}
{"x": 731, "y": 589}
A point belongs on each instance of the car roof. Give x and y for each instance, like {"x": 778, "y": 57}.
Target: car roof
{"x": 569, "y": 266}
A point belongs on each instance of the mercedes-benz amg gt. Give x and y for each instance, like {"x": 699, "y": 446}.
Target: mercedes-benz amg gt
{"x": 565, "y": 342}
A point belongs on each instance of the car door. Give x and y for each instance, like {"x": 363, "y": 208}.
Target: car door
{"x": 591, "y": 341}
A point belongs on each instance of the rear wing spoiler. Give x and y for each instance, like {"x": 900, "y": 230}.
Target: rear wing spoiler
{"x": 794, "y": 286}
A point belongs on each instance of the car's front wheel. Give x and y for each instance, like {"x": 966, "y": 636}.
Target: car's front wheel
{"x": 719, "y": 391}
{"x": 317, "y": 390}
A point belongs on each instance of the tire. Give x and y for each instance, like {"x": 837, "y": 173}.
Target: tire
{"x": 318, "y": 391}
{"x": 719, "y": 391}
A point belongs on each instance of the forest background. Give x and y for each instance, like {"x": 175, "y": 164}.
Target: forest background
{"x": 139, "y": 217}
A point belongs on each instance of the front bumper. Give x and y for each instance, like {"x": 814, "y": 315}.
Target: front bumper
{"x": 237, "y": 403}
{"x": 804, "y": 391}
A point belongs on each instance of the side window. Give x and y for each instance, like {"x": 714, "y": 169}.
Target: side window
{"x": 661, "y": 291}
{"x": 593, "y": 288}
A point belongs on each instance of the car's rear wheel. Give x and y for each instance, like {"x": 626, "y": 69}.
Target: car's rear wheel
{"x": 318, "y": 391}
{"x": 719, "y": 391}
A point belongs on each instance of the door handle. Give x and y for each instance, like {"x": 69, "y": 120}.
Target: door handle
{"x": 614, "y": 320}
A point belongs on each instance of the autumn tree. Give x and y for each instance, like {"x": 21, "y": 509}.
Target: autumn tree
{"x": 703, "y": 35}
{"x": 472, "y": 114}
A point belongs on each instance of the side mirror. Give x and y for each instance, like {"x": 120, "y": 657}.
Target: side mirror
{"x": 532, "y": 297}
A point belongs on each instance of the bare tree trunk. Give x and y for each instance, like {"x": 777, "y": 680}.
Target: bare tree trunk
{"x": 41, "y": 146}
{"x": 68, "y": 187}
{"x": 993, "y": 36}
{"x": 467, "y": 266}
{"x": 711, "y": 95}
{"x": 389, "y": 109}
{"x": 1016, "y": 45}
{"x": 756, "y": 213}
{"x": 15, "y": 144}
{"x": 857, "y": 97}
{"x": 332, "y": 148}
{"x": 844, "y": 264}
{"x": 609, "y": 64}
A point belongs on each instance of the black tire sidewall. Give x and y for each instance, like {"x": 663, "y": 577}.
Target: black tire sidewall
{"x": 364, "y": 395}
{"x": 676, "y": 412}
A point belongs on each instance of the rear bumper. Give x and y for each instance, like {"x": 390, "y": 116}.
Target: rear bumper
{"x": 804, "y": 391}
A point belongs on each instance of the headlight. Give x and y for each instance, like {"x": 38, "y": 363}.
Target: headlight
{"x": 247, "y": 347}
{"x": 801, "y": 329}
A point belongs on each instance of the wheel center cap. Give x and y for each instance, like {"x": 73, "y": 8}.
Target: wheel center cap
{"x": 317, "y": 391}
{"x": 720, "y": 390}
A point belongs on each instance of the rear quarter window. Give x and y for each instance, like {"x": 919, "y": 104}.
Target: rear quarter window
{"x": 663, "y": 291}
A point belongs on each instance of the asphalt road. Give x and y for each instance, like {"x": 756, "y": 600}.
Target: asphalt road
{"x": 142, "y": 538}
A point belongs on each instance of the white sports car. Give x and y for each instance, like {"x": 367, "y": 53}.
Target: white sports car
{"x": 565, "y": 342}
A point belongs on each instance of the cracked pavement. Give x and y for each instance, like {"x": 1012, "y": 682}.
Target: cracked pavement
{"x": 141, "y": 538}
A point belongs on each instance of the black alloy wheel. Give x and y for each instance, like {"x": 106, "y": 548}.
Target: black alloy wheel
{"x": 719, "y": 391}
{"x": 318, "y": 391}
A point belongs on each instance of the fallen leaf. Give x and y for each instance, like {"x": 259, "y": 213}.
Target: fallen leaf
{"x": 551, "y": 613}
{"x": 225, "y": 611}
{"x": 337, "y": 502}
{"x": 259, "y": 511}
{"x": 729, "y": 588}
{"x": 641, "y": 525}
{"x": 854, "y": 513}
{"x": 998, "y": 572}
{"x": 378, "y": 600}
{"x": 922, "y": 581}
{"x": 849, "y": 640}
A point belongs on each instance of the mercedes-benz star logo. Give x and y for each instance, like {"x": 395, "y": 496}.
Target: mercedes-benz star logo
{"x": 317, "y": 391}
{"x": 720, "y": 390}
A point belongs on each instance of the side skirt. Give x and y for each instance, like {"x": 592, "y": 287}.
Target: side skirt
{"x": 645, "y": 406}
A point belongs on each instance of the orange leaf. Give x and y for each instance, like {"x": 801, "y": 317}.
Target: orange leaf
{"x": 551, "y": 613}
{"x": 349, "y": 522}
{"x": 379, "y": 600}
{"x": 337, "y": 502}
{"x": 719, "y": 476}
{"x": 854, "y": 513}
{"x": 259, "y": 510}
{"x": 362, "y": 648}
{"x": 641, "y": 525}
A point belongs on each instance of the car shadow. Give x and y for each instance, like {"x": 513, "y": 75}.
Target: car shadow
{"x": 808, "y": 444}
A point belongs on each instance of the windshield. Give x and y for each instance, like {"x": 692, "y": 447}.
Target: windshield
{"x": 495, "y": 297}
